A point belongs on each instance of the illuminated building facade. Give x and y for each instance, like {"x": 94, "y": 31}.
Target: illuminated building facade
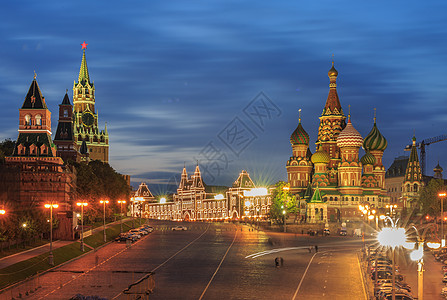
{"x": 195, "y": 201}
{"x": 331, "y": 183}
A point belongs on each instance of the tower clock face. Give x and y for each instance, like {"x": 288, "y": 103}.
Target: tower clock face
{"x": 88, "y": 119}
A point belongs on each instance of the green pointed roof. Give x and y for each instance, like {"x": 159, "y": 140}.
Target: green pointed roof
{"x": 316, "y": 197}
{"x": 244, "y": 181}
{"x": 34, "y": 98}
{"x": 308, "y": 193}
{"x": 413, "y": 172}
{"x": 83, "y": 72}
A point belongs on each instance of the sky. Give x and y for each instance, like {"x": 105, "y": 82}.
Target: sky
{"x": 221, "y": 82}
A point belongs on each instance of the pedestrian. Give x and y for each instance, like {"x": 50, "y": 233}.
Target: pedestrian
{"x": 282, "y": 261}
{"x": 310, "y": 249}
{"x": 277, "y": 262}
{"x": 316, "y": 248}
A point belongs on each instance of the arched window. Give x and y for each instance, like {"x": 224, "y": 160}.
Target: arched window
{"x": 415, "y": 188}
{"x": 27, "y": 120}
{"x": 38, "y": 120}
{"x": 408, "y": 187}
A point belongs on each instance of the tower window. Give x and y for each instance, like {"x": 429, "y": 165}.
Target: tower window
{"x": 27, "y": 120}
{"x": 65, "y": 113}
{"x": 38, "y": 120}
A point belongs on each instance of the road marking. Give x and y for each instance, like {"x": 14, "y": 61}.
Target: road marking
{"x": 163, "y": 263}
{"x": 266, "y": 252}
{"x": 94, "y": 267}
{"x": 218, "y": 267}
{"x": 304, "y": 275}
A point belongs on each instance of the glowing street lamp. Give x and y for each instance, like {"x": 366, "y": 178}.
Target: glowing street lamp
{"x": 418, "y": 255}
{"x": 392, "y": 237}
{"x": 104, "y": 202}
{"x": 121, "y": 202}
{"x": 50, "y": 256}
{"x": 82, "y": 204}
{"x": 2, "y": 211}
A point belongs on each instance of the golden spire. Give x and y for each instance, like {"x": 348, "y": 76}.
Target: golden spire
{"x": 374, "y": 115}
{"x": 299, "y": 115}
{"x": 35, "y": 75}
{"x": 349, "y": 112}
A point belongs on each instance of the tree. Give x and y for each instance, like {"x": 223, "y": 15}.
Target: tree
{"x": 282, "y": 201}
{"x": 429, "y": 201}
{"x": 98, "y": 180}
{"x": 6, "y": 149}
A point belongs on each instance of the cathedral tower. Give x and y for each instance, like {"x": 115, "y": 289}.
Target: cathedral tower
{"x": 299, "y": 166}
{"x": 86, "y": 118}
{"x": 350, "y": 170}
{"x": 376, "y": 144}
{"x": 332, "y": 122}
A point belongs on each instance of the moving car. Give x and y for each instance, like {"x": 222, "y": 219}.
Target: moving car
{"x": 179, "y": 227}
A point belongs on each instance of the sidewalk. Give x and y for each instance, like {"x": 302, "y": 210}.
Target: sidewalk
{"x": 25, "y": 255}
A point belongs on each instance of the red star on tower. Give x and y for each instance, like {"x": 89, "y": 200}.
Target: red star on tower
{"x": 84, "y": 45}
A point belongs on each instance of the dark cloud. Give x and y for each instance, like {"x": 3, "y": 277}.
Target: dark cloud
{"x": 170, "y": 76}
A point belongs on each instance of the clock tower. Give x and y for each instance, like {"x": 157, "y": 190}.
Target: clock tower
{"x": 85, "y": 117}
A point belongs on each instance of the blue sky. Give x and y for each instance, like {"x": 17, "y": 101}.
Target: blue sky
{"x": 173, "y": 78}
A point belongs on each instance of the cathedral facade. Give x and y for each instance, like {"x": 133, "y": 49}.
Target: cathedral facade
{"x": 331, "y": 183}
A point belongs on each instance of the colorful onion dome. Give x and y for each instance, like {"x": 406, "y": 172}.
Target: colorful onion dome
{"x": 299, "y": 136}
{"x": 332, "y": 72}
{"x": 375, "y": 140}
{"x": 320, "y": 157}
{"x": 368, "y": 159}
{"x": 438, "y": 168}
{"x": 349, "y": 137}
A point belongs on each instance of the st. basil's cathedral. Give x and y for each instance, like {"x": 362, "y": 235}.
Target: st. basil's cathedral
{"x": 332, "y": 182}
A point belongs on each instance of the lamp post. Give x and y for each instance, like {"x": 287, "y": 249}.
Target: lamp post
{"x": 82, "y": 204}
{"x": 286, "y": 189}
{"x": 418, "y": 255}
{"x": 392, "y": 237}
{"x": 104, "y": 202}
{"x": 50, "y": 256}
{"x": 121, "y": 202}
{"x": 442, "y": 196}
{"x": 2, "y": 211}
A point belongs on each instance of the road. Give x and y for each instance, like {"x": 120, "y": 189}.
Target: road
{"x": 211, "y": 261}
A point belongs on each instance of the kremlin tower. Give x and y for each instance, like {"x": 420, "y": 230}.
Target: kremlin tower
{"x": 85, "y": 117}
{"x": 335, "y": 181}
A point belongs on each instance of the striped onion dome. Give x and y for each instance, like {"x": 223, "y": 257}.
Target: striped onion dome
{"x": 349, "y": 137}
{"x": 368, "y": 159}
{"x": 320, "y": 157}
{"x": 299, "y": 136}
{"x": 375, "y": 140}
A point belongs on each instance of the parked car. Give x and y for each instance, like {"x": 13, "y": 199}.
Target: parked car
{"x": 136, "y": 232}
{"x": 179, "y": 227}
{"x": 326, "y": 231}
{"x": 343, "y": 232}
{"x": 148, "y": 228}
{"x": 122, "y": 237}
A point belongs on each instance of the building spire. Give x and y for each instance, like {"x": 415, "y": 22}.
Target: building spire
{"x": 349, "y": 113}
{"x": 83, "y": 72}
{"x": 374, "y": 115}
{"x": 299, "y": 115}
